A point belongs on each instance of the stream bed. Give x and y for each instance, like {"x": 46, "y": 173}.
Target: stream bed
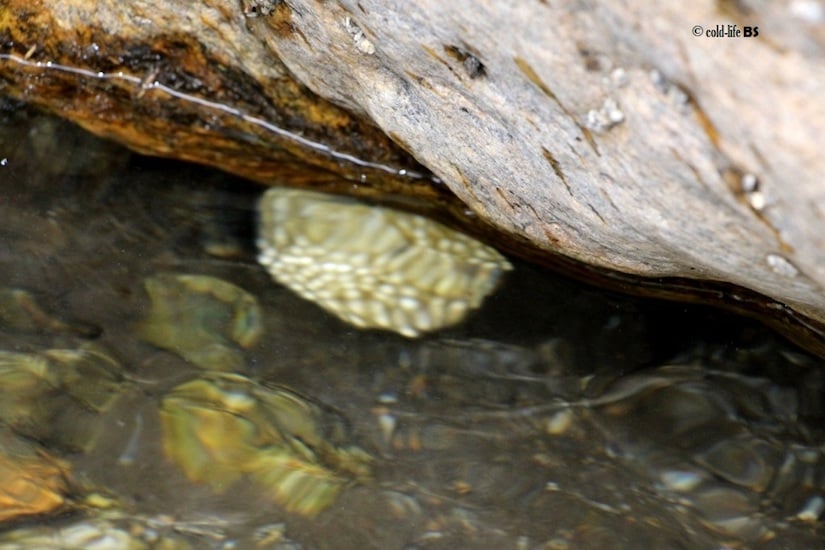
{"x": 159, "y": 390}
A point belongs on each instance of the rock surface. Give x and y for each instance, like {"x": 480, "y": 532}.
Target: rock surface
{"x": 606, "y": 132}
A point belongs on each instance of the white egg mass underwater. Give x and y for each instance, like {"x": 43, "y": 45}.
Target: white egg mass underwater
{"x": 372, "y": 266}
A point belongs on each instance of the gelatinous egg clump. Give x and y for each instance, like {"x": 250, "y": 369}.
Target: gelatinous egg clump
{"x": 371, "y": 266}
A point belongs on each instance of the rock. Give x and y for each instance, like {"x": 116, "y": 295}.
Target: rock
{"x": 617, "y": 135}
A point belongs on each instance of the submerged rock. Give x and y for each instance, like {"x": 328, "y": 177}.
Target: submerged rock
{"x": 32, "y": 481}
{"x": 582, "y": 141}
{"x": 117, "y": 533}
{"x": 203, "y": 319}
{"x": 221, "y": 427}
{"x": 57, "y": 395}
{"x": 20, "y": 311}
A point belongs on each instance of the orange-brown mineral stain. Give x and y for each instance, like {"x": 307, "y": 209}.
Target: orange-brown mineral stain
{"x": 31, "y": 484}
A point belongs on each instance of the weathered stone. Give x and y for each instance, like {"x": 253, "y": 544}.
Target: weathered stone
{"x": 605, "y": 132}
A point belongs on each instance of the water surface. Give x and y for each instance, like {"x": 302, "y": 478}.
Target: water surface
{"x": 557, "y": 416}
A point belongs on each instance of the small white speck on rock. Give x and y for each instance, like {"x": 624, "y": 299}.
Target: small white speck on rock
{"x": 619, "y": 77}
{"x": 608, "y": 116}
{"x": 749, "y": 183}
{"x": 809, "y": 11}
{"x": 781, "y": 265}
{"x": 362, "y": 43}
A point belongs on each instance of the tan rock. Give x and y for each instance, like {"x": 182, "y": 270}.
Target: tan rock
{"x": 604, "y": 132}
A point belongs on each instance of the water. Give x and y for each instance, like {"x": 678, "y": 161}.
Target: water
{"x": 557, "y": 416}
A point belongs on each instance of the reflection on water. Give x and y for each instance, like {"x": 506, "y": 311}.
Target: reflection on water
{"x": 156, "y": 385}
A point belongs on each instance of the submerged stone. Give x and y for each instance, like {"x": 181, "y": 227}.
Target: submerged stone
{"x": 57, "y": 395}
{"x": 115, "y": 533}
{"x": 20, "y": 311}
{"x": 201, "y": 318}
{"x": 32, "y": 482}
{"x": 221, "y": 427}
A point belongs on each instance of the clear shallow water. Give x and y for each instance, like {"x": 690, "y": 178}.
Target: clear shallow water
{"x": 556, "y": 416}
